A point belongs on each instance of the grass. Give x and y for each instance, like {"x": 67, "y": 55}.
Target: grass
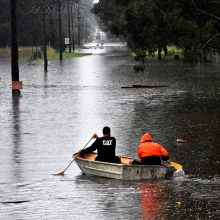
{"x": 23, "y": 52}
{"x": 52, "y": 53}
{"x": 26, "y": 53}
{"x": 5, "y": 52}
{"x": 172, "y": 51}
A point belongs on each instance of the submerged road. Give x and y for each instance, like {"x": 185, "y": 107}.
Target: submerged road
{"x": 59, "y": 111}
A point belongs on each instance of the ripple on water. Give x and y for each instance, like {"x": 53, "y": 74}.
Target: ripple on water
{"x": 60, "y": 110}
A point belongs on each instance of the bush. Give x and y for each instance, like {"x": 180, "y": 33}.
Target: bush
{"x": 139, "y": 68}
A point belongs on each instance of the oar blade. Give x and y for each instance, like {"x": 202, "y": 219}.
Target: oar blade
{"x": 60, "y": 174}
{"x": 175, "y": 165}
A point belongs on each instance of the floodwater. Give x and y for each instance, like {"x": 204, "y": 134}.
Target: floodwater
{"x": 59, "y": 111}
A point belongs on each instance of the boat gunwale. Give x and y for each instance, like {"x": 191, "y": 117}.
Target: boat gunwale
{"x": 121, "y": 164}
{"x": 106, "y": 171}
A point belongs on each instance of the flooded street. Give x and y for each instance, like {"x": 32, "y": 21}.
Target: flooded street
{"x": 59, "y": 111}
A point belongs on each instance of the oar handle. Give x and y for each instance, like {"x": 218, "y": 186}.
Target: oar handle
{"x": 87, "y": 143}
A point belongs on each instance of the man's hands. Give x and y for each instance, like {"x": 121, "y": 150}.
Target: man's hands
{"x": 95, "y": 136}
{"x": 76, "y": 154}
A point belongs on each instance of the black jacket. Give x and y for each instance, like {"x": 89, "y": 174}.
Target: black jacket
{"x": 105, "y": 147}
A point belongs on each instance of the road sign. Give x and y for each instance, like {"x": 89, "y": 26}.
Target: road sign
{"x": 67, "y": 40}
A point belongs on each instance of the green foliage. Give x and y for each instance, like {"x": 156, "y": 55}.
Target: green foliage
{"x": 53, "y": 54}
{"x": 150, "y": 25}
{"x": 111, "y": 12}
{"x": 36, "y": 53}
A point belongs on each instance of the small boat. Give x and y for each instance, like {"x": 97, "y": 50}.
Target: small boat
{"x": 123, "y": 171}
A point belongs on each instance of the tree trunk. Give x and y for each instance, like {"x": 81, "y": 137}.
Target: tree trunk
{"x": 165, "y": 50}
{"x": 69, "y": 30}
{"x": 72, "y": 21}
{"x": 79, "y": 27}
{"x": 159, "y": 52}
{"x": 52, "y": 37}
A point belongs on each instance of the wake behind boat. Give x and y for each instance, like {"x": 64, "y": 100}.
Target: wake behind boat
{"x": 123, "y": 171}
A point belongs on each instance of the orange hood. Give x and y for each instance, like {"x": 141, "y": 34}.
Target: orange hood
{"x": 146, "y": 137}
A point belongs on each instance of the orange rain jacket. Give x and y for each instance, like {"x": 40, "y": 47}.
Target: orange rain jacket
{"x": 148, "y": 148}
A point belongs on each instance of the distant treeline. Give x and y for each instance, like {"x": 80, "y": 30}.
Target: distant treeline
{"x": 151, "y": 25}
{"x": 30, "y": 21}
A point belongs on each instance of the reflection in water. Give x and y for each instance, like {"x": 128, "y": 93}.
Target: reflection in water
{"x": 91, "y": 101}
{"x": 152, "y": 199}
{"x": 145, "y": 200}
{"x": 45, "y": 84}
{"x": 16, "y": 138}
{"x": 112, "y": 199}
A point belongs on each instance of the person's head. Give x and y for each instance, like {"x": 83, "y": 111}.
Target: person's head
{"x": 146, "y": 138}
{"x": 106, "y": 131}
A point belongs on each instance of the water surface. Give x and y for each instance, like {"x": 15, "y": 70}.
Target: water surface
{"x": 59, "y": 111}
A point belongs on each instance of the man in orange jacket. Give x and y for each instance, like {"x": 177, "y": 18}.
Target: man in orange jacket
{"x": 150, "y": 152}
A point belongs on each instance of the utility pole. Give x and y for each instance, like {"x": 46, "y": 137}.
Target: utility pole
{"x": 72, "y": 21}
{"x": 60, "y": 31}
{"x": 44, "y": 38}
{"x": 16, "y": 84}
{"x": 69, "y": 30}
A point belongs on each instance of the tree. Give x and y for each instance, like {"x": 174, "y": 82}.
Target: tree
{"x": 212, "y": 10}
{"x": 194, "y": 29}
{"x": 112, "y": 14}
{"x": 30, "y": 13}
{"x": 150, "y": 25}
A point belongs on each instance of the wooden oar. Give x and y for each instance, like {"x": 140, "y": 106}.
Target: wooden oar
{"x": 175, "y": 165}
{"x": 62, "y": 173}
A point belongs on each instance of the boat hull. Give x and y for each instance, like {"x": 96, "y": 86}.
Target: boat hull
{"x": 124, "y": 171}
